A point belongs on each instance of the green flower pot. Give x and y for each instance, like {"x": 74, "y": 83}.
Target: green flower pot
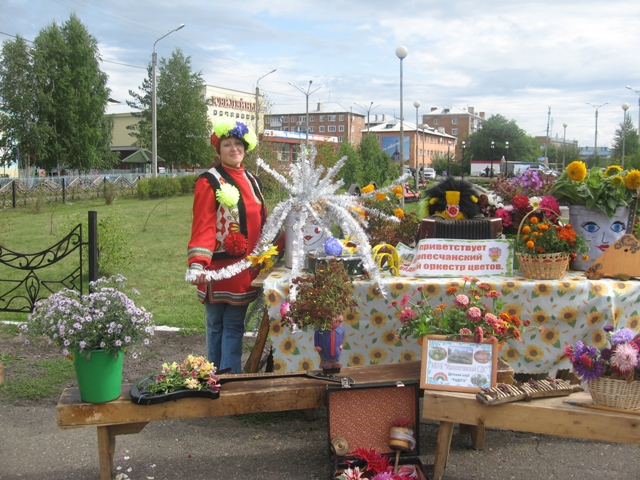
{"x": 100, "y": 377}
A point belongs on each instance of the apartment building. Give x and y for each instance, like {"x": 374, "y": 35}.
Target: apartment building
{"x": 456, "y": 121}
{"x": 421, "y": 144}
{"x": 330, "y": 119}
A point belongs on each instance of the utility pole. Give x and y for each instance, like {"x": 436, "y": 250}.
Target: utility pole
{"x": 546, "y": 142}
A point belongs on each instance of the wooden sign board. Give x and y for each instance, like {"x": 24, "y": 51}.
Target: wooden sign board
{"x": 458, "y": 365}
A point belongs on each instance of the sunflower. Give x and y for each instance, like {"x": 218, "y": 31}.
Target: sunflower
{"x": 612, "y": 170}
{"x": 407, "y": 356}
{"x": 550, "y": 336}
{"x": 598, "y": 338}
{"x": 273, "y": 298}
{"x": 377, "y": 355}
{"x": 374, "y": 292}
{"x": 533, "y": 353}
{"x": 566, "y": 287}
{"x": 305, "y": 365}
{"x": 279, "y": 365}
{"x": 568, "y": 314}
{"x": 621, "y": 287}
{"x": 432, "y": 289}
{"x": 634, "y": 322}
{"x": 390, "y": 337}
{"x": 577, "y": 171}
{"x": 288, "y": 346}
{"x": 511, "y": 355}
{"x": 543, "y": 289}
{"x": 540, "y": 317}
{"x": 509, "y": 287}
{"x": 617, "y": 181}
{"x": 597, "y": 289}
{"x": 632, "y": 180}
{"x": 378, "y": 319}
{"x": 351, "y": 318}
{"x": 594, "y": 318}
{"x": 275, "y": 328}
{"x": 356, "y": 360}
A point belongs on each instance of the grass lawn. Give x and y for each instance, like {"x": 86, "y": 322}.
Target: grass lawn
{"x": 159, "y": 232}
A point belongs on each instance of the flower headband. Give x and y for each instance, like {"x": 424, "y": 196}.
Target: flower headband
{"x": 231, "y": 128}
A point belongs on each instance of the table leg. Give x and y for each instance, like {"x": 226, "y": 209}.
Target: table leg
{"x": 253, "y": 361}
{"x": 106, "y": 449}
{"x": 476, "y": 432}
{"x": 442, "y": 449}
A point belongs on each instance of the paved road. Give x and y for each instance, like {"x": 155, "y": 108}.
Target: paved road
{"x": 287, "y": 446}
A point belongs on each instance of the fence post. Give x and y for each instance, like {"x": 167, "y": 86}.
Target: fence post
{"x": 13, "y": 193}
{"x": 64, "y": 196}
{"x": 93, "y": 246}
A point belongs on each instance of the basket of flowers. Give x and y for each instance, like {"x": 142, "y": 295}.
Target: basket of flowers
{"x": 544, "y": 245}
{"x": 612, "y": 372}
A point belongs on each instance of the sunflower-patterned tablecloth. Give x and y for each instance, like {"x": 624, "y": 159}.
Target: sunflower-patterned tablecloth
{"x": 565, "y": 311}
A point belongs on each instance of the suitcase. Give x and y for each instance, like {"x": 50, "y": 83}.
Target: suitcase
{"x": 361, "y": 416}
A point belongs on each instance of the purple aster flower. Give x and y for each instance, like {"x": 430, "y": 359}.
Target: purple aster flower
{"x": 608, "y": 328}
{"x": 623, "y": 335}
{"x": 588, "y": 368}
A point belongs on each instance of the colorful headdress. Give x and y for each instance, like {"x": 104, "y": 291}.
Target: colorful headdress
{"x": 231, "y": 128}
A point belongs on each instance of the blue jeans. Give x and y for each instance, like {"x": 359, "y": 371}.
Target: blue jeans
{"x": 225, "y": 331}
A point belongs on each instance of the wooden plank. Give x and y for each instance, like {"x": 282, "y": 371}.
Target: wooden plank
{"x": 550, "y": 416}
{"x": 239, "y": 397}
{"x": 253, "y": 362}
{"x": 442, "y": 449}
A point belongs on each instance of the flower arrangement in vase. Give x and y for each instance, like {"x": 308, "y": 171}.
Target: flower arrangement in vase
{"x": 468, "y": 316}
{"x": 612, "y": 371}
{"x": 319, "y": 301}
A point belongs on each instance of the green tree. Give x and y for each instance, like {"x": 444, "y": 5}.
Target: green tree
{"x": 374, "y": 161}
{"x": 351, "y": 171}
{"x": 183, "y": 126}
{"x": 18, "y": 123}
{"x": 499, "y": 130}
{"x": 70, "y": 98}
{"x": 626, "y": 131}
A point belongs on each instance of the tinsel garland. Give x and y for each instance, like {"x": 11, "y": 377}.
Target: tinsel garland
{"x": 311, "y": 196}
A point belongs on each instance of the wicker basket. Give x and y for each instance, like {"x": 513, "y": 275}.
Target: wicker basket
{"x": 544, "y": 266}
{"x": 615, "y": 393}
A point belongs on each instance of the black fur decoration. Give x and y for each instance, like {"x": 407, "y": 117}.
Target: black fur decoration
{"x": 438, "y": 204}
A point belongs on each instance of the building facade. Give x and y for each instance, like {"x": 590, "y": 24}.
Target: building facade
{"x": 329, "y": 119}
{"x": 421, "y": 144}
{"x": 456, "y": 121}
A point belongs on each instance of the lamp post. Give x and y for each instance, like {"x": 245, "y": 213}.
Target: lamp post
{"x": 368, "y": 110}
{"x": 258, "y": 101}
{"x": 448, "y": 158}
{"x": 154, "y": 120}
{"x": 564, "y": 145}
{"x": 625, "y": 107}
{"x": 638, "y": 92}
{"x": 493, "y": 146}
{"x": 306, "y": 94}
{"x": 464, "y": 145}
{"x": 416, "y": 104}
{"x": 595, "y": 146}
{"x": 401, "y": 53}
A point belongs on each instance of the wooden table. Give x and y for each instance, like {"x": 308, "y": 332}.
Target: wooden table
{"x": 550, "y": 416}
{"x": 265, "y": 393}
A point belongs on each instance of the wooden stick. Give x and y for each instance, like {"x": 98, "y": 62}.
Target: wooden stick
{"x": 395, "y": 468}
{"x": 602, "y": 407}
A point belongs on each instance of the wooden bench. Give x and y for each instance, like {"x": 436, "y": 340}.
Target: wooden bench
{"x": 550, "y": 416}
{"x": 262, "y": 393}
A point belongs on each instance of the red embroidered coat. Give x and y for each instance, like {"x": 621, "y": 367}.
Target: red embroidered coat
{"x": 212, "y": 222}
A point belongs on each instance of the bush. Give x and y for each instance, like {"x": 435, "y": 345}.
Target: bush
{"x": 159, "y": 187}
{"x": 187, "y": 184}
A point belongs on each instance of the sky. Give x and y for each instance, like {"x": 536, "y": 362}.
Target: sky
{"x": 515, "y": 58}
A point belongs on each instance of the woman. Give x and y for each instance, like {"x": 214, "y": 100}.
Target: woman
{"x": 228, "y": 215}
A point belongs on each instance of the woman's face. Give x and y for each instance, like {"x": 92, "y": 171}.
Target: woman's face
{"x": 232, "y": 152}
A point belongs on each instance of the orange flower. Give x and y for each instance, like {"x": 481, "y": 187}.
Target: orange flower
{"x": 530, "y": 244}
{"x": 533, "y": 220}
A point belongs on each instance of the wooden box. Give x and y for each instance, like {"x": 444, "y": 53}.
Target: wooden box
{"x": 363, "y": 415}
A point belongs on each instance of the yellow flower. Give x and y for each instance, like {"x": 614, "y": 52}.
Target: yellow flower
{"x": 356, "y": 360}
{"x": 377, "y": 355}
{"x": 533, "y": 353}
{"x": 266, "y": 257}
{"x": 577, "y": 171}
{"x": 612, "y": 170}
{"x": 368, "y": 189}
{"x": 381, "y": 196}
{"x": 550, "y": 336}
{"x": 397, "y": 190}
{"x": 632, "y": 180}
{"x": 617, "y": 181}
{"x": 398, "y": 212}
{"x": 511, "y": 354}
{"x": 407, "y": 356}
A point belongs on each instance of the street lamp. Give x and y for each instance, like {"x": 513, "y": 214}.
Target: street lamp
{"x": 625, "y": 107}
{"x": 448, "y": 158}
{"x": 564, "y": 145}
{"x": 401, "y": 53}
{"x": 638, "y": 92}
{"x": 368, "y": 110}
{"x": 493, "y": 146}
{"x": 416, "y": 104}
{"x": 464, "y": 145}
{"x": 306, "y": 94}
{"x": 258, "y": 100}
{"x": 595, "y": 146}
{"x": 154, "y": 120}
